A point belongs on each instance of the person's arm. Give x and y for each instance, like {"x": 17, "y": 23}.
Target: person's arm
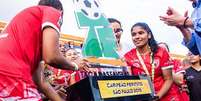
{"x": 173, "y": 18}
{"x": 188, "y": 23}
{"x": 167, "y": 75}
{"x": 191, "y": 44}
{"x": 52, "y": 55}
{"x": 178, "y": 78}
{"x": 186, "y": 33}
{"x": 44, "y": 85}
{"x": 189, "y": 40}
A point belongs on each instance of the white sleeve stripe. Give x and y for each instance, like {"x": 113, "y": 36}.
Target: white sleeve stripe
{"x": 50, "y": 24}
{"x": 182, "y": 71}
{"x": 167, "y": 67}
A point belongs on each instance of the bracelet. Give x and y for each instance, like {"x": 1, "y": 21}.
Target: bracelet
{"x": 184, "y": 25}
{"x": 75, "y": 66}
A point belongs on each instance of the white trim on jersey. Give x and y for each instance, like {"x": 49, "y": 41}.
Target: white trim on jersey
{"x": 167, "y": 67}
{"x": 3, "y": 35}
{"x": 179, "y": 72}
{"x": 50, "y": 24}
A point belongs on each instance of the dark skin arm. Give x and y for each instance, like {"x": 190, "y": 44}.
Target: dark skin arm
{"x": 52, "y": 55}
{"x": 167, "y": 75}
{"x": 44, "y": 85}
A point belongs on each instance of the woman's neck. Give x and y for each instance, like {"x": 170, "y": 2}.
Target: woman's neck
{"x": 144, "y": 50}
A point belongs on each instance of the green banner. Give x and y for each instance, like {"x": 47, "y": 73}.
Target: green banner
{"x": 100, "y": 40}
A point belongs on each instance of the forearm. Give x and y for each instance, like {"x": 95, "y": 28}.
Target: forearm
{"x": 189, "y": 23}
{"x": 61, "y": 63}
{"x": 186, "y": 33}
{"x": 49, "y": 92}
{"x": 44, "y": 85}
{"x": 166, "y": 86}
{"x": 178, "y": 78}
{"x": 50, "y": 50}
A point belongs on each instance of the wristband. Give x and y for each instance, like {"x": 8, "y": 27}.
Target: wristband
{"x": 184, "y": 25}
{"x": 75, "y": 66}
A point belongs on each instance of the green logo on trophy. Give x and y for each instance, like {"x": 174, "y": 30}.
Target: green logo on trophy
{"x": 100, "y": 40}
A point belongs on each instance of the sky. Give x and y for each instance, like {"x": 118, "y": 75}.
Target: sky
{"x": 128, "y": 12}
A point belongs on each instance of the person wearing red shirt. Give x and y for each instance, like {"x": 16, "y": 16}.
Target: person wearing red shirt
{"x": 177, "y": 71}
{"x": 31, "y": 36}
{"x": 150, "y": 59}
{"x": 65, "y": 77}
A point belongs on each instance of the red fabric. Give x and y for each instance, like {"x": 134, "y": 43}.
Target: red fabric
{"x": 22, "y": 45}
{"x": 161, "y": 60}
{"x": 179, "y": 69}
{"x": 62, "y": 77}
{"x": 15, "y": 89}
{"x": 184, "y": 96}
{"x": 77, "y": 76}
{"x": 177, "y": 66}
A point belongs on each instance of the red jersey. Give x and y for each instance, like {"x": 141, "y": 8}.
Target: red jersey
{"x": 59, "y": 77}
{"x": 161, "y": 61}
{"x": 177, "y": 69}
{"x": 21, "y": 41}
{"x": 62, "y": 77}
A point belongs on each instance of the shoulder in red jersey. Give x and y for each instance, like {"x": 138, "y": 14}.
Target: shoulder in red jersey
{"x": 51, "y": 17}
